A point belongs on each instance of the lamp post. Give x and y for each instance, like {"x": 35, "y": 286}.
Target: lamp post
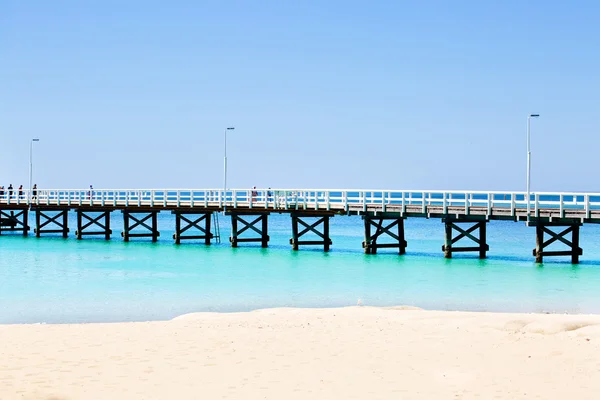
{"x": 225, "y": 171}
{"x": 31, "y": 165}
{"x": 529, "y": 160}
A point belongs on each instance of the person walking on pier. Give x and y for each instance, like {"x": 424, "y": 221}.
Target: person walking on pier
{"x": 91, "y": 192}
{"x": 10, "y": 190}
{"x": 254, "y": 194}
{"x": 20, "y": 191}
{"x": 34, "y": 192}
{"x": 1, "y": 191}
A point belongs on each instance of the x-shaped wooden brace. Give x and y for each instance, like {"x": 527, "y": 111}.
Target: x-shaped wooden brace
{"x": 140, "y": 222}
{"x": 249, "y": 225}
{"x": 93, "y": 220}
{"x": 50, "y": 219}
{"x": 465, "y": 233}
{"x": 312, "y": 227}
{"x": 381, "y": 229}
{"x": 194, "y": 223}
{"x": 557, "y": 236}
{"x": 13, "y": 218}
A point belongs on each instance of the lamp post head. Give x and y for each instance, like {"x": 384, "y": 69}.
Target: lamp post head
{"x": 230, "y": 128}
{"x": 534, "y": 115}
{"x": 35, "y": 140}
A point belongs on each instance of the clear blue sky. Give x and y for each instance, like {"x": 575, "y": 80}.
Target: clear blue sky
{"x": 323, "y": 94}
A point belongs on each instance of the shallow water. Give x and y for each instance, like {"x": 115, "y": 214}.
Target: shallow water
{"x": 57, "y": 280}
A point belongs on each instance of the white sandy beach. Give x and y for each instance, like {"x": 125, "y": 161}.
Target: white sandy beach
{"x": 347, "y": 353}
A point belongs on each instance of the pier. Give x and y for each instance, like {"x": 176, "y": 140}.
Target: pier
{"x": 465, "y": 215}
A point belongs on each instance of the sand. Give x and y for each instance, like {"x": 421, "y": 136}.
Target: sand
{"x": 343, "y": 353}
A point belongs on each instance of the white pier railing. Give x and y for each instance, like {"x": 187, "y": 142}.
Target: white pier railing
{"x": 310, "y": 199}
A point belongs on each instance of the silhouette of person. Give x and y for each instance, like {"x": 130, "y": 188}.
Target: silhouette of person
{"x": 10, "y": 190}
{"x": 34, "y": 191}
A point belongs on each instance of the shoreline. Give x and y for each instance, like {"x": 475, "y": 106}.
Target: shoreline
{"x": 241, "y": 313}
{"x": 348, "y": 352}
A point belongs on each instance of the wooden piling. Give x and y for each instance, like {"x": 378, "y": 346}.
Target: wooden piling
{"x": 294, "y": 240}
{"x": 151, "y": 230}
{"x": 322, "y": 219}
{"x": 192, "y": 223}
{"x": 565, "y": 227}
{"x": 57, "y": 223}
{"x": 447, "y": 240}
{"x": 177, "y": 234}
{"x": 93, "y": 221}
{"x": 575, "y": 245}
{"x": 125, "y": 232}
{"x": 539, "y": 244}
{"x": 14, "y": 222}
{"x": 249, "y": 225}
{"x": 451, "y": 224}
{"x": 383, "y": 227}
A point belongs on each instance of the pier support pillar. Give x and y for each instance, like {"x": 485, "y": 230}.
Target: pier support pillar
{"x": 236, "y": 231}
{"x": 202, "y": 232}
{"x": 14, "y": 221}
{"x": 370, "y": 243}
{"x": 542, "y": 228}
{"x": 451, "y": 224}
{"x": 58, "y": 223}
{"x": 321, "y": 219}
{"x": 93, "y": 221}
{"x": 131, "y": 221}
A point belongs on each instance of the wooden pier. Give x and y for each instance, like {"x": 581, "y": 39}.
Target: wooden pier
{"x": 464, "y": 214}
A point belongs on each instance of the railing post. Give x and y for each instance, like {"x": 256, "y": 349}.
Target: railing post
{"x": 537, "y": 198}
{"x": 403, "y": 204}
{"x": 178, "y": 198}
{"x": 101, "y": 198}
{"x": 327, "y": 200}
{"x": 586, "y": 198}
{"x": 345, "y": 200}
{"x": 560, "y": 200}
{"x": 304, "y": 196}
{"x": 513, "y": 206}
{"x": 467, "y": 198}
{"x": 383, "y": 201}
{"x": 364, "y": 201}
{"x": 444, "y": 204}
{"x": 490, "y": 203}
{"x": 152, "y": 198}
{"x": 424, "y": 206}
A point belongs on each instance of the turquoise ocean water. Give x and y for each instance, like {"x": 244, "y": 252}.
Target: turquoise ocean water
{"x": 56, "y": 280}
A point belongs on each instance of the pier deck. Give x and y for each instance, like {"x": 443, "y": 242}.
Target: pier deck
{"x": 547, "y": 210}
